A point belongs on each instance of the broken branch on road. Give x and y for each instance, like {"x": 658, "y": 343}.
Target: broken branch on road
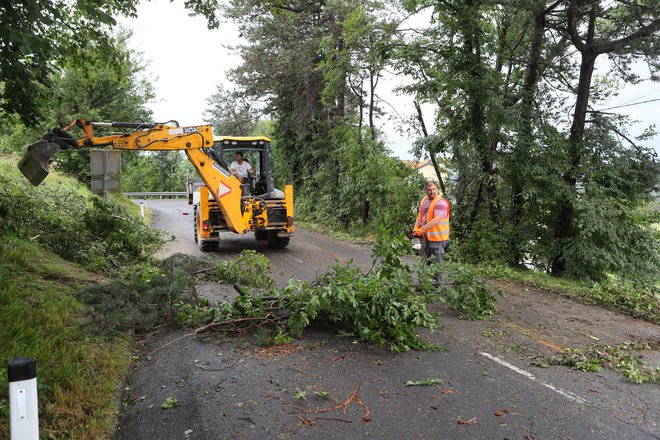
{"x": 343, "y": 407}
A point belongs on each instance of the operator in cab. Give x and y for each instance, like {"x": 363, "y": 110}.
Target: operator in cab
{"x": 241, "y": 168}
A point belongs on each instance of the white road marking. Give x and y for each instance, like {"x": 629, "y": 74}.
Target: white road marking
{"x": 529, "y": 375}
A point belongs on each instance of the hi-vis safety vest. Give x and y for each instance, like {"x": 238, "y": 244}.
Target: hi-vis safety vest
{"x": 441, "y": 231}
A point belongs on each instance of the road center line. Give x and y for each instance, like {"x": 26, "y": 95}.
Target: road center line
{"x": 529, "y": 375}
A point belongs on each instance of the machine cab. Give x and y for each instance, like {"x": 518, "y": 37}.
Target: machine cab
{"x": 254, "y": 151}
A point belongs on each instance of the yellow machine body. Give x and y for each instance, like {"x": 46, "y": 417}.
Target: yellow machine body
{"x": 221, "y": 192}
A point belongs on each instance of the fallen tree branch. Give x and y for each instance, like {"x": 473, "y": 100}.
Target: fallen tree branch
{"x": 259, "y": 320}
{"x": 343, "y": 407}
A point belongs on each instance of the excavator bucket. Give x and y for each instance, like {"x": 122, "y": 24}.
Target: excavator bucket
{"x": 36, "y": 160}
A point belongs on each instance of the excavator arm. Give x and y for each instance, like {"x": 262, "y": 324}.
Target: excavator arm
{"x": 196, "y": 141}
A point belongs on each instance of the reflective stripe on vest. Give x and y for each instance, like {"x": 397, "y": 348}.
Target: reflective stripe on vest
{"x": 439, "y": 232}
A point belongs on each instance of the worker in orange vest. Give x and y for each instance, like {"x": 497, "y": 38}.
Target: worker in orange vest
{"x": 433, "y": 224}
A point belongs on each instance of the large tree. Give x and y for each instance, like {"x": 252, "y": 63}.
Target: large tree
{"x": 231, "y": 114}
{"x": 625, "y": 32}
{"x": 37, "y": 35}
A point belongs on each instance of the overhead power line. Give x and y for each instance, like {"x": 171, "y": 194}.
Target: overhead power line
{"x": 629, "y": 105}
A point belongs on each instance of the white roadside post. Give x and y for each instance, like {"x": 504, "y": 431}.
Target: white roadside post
{"x": 23, "y": 408}
{"x": 142, "y": 209}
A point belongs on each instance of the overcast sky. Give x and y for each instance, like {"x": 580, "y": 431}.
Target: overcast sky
{"x": 187, "y": 61}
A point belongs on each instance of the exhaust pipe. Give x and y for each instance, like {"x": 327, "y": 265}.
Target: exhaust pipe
{"x": 36, "y": 160}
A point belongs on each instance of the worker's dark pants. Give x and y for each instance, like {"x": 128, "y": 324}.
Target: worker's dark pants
{"x": 435, "y": 251}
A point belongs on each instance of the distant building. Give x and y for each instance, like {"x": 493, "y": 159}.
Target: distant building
{"x": 425, "y": 168}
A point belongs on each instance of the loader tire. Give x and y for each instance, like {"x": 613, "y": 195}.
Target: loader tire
{"x": 205, "y": 246}
{"x": 276, "y": 243}
{"x": 260, "y": 235}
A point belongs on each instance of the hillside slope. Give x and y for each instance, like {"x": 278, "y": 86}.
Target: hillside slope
{"x": 54, "y": 240}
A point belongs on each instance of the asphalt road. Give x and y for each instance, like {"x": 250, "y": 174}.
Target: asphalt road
{"x": 228, "y": 389}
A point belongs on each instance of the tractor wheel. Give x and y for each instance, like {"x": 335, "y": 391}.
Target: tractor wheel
{"x": 275, "y": 242}
{"x": 205, "y": 246}
{"x": 260, "y": 235}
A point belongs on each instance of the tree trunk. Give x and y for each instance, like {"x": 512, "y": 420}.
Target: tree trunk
{"x": 372, "y": 90}
{"x": 420, "y": 118}
{"x": 565, "y": 211}
{"x": 477, "y": 113}
{"x": 526, "y": 139}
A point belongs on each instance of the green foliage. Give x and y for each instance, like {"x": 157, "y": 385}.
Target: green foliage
{"x": 468, "y": 296}
{"x": 269, "y": 337}
{"x": 169, "y": 403}
{"x": 371, "y": 307}
{"x": 79, "y": 372}
{"x": 574, "y": 358}
{"x": 232, "y": 115}
{"x": 620, "y": 358}
{"x": 155, "y": 171}
{"x": 384, "y": 305}
{"x": 524, "y": 190}
{"x": 65, "y": 218}
{"x": 322, "y": 394}
{"x": 145, "y": 297}
{"x": 250, "y": 269}
{"x": 424, "y": 383}
{"x": 360, "y": 180}
{"x": 35, "y": 33}
{"x": 312, "y": 75}
{"x": 39, "y": 36}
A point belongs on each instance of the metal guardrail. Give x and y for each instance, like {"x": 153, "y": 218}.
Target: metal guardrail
{"x": 161, "y": 194}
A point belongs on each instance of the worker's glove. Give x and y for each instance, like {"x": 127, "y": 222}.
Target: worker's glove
{"x": 418, "y": 232}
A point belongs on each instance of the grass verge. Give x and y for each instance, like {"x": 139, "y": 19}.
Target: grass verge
{"x": 132, "y": 207}
{"x": 79, "y": 372}
{"x": 620, "y": 295}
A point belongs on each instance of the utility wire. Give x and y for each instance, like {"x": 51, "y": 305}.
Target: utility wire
{"x": 629, "y": 105}
{"x": 643, "y": 95}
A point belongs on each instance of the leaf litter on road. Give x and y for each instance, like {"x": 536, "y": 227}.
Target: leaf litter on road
{"x": 467, "y": 422}
{"x": 424, "y": 383}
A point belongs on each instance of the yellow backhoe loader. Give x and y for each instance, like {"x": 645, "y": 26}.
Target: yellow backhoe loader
{"x": 222, "y": 203}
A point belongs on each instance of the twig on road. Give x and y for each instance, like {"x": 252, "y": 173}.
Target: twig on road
{"x": 343, "y": 407}
{"x": 254, "y": 320}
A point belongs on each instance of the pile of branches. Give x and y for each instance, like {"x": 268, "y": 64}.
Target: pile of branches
{"x": 144, "y": 296}
{"x": 386, "y": 304}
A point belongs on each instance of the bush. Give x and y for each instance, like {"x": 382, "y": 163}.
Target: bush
{"x": 64, "y": 217}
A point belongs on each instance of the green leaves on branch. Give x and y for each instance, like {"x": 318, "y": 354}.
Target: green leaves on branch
{"x": 621, "y": 358}
{"x": 38, "y": 37}
{"x": 250, "y": 269}
{"x": 371, "y": 306}
{"x": 384, "y": 305}
{"x": 468, "y": 296}
{"x": 65, "y": 218}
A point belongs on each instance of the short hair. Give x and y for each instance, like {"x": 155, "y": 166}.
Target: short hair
{"x": 240, "y": 152}
{"x": 429, "y": 183}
